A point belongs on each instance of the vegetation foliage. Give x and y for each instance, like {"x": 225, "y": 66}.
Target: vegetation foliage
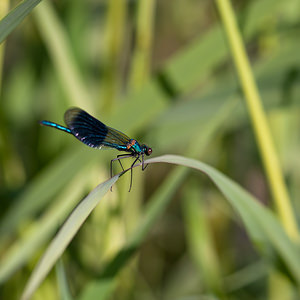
{"x": 175, "y": 75}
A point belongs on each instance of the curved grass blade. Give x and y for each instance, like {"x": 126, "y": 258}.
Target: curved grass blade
{"x": 65, "y": 235}
{"x": 260, "y": 222}
{"x": 15, "y": 17}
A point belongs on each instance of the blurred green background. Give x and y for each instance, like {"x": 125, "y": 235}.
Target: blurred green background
{"x": 161, "y": 72}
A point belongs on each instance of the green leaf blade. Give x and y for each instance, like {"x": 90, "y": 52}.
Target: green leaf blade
{"x": 15, "y": 17}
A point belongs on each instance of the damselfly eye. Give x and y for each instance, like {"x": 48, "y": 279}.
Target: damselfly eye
{"x": 149, "y": 151}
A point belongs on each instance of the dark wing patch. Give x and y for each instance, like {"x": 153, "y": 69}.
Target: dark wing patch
{"x": 93, "y": 132}
{"x": 85, "y": 128}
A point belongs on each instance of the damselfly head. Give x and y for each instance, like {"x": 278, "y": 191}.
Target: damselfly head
{"x": 147, "y": 150}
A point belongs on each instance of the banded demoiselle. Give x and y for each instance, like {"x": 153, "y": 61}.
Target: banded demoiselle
{"x": 97, "y": 135}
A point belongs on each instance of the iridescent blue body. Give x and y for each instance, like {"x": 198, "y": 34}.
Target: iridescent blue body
{"x": 95, "y": 134}
{"x": 57, "y": 126}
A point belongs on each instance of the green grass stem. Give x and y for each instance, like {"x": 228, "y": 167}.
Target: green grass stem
{"x": 259, "y": 120}
{"x": 200, "y": 240}
{"x": 141, "y": 60}
{"x": 56, "y": 40}
{"x": 114, "y": 48}
{"x": 4, "y": 6}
